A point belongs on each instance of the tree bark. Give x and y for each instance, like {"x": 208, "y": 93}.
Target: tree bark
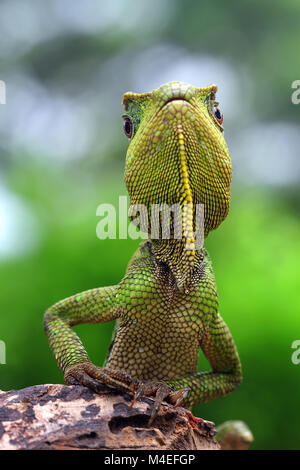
{"x": 74, "y": 417}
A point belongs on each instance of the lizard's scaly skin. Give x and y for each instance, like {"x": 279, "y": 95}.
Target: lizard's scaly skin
{"x": 167, "y": 302}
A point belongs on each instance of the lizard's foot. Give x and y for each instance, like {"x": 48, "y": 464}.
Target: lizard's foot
{"x": 161, "y": 391}
{"x": 98, "y": 378}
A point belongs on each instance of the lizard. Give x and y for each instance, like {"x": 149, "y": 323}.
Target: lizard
{"x": 166, "y": 305}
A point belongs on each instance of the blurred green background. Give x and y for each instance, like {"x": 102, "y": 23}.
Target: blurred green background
{"x": 66, "y": 65}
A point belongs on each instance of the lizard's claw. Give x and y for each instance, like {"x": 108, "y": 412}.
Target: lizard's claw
{"x": 98, "y": 378}
{"x": 178, "y": 397}
{"x": 138, "y": 394}
{"x": 161, "y": 392}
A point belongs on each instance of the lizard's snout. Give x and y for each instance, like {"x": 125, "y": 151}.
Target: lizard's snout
{"x": 174, "y": 91}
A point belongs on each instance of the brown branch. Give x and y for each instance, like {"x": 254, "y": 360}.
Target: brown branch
{"x": 73, "y": 417}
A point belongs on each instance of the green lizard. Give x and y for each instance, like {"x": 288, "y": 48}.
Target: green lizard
{"x": 167, "y": 302}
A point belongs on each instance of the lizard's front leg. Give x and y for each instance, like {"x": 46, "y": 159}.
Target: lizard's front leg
{"x": 226, "y": 375}
{"x": 92, "y": 306}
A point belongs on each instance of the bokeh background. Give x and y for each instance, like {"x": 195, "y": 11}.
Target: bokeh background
{"x": 62, "y": 147}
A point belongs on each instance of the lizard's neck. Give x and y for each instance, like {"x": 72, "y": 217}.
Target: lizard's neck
{"x": 181, "y": 262}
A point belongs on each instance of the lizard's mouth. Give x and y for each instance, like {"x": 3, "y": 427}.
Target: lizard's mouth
{"x": 175, "y": 98}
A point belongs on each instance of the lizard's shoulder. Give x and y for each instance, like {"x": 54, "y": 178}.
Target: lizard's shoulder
{"x": 142, "y": 256}
{"x": 140, "y": 283}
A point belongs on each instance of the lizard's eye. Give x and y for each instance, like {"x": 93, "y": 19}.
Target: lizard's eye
{"x": 128, "y": 127}
{"x": 218, "y": 115}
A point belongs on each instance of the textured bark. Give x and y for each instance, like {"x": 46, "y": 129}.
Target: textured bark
{"x": 73, "y": 417}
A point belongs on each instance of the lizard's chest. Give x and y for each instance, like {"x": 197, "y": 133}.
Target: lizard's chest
{"x": 158, "y": 334}
{"x": 164, "y": 314}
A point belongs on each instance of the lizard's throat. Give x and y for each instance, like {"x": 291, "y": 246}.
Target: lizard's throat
{"x": 181, "y": 255}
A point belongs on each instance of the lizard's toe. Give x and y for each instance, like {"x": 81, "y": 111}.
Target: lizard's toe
{"x": 160, "y": 391}
{"x": 98, "y": 378}
{"x": 80, "y": 375}
{"x": 178, "y": 397}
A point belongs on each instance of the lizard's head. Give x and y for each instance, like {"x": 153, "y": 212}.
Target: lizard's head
{"x": 177, "y": 152}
